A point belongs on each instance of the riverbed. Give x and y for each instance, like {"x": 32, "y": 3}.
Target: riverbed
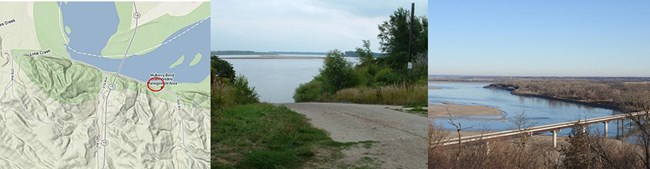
{"x": 538, "y": 111}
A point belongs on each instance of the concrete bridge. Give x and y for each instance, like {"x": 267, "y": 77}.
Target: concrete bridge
{"x": 553, "y": 128}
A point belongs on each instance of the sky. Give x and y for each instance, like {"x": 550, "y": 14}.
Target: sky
{"x": 539, "y": 37}
{"x": 301, "y": 25}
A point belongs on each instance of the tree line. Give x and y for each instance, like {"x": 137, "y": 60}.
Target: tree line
{"x": 383, "y": 76}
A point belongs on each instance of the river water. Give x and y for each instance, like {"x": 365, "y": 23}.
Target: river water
{"x": 93, "y": 23}
{"x": 276, "y": 80}
{"x": 538, "y": 111}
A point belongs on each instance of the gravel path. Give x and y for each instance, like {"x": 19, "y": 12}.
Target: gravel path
{"x": 402, "y": 137}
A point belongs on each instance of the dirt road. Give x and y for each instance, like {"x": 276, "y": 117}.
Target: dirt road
{"x": 401, "y": 137}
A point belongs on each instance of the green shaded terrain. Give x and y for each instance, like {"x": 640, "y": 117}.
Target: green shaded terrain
{"x": 61, "y": 79}
{"x": 73, "y": 82}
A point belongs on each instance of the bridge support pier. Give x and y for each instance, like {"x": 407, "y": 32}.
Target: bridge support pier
{"x": 606, "y": 122}
{"x": 622, "y": 129}
{"x": 618, "y": 128}
{"x": 555, "y": 138}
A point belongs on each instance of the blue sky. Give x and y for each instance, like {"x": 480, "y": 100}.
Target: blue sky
{"x": 301, "y": 25}
{"x": 539, "y": 37}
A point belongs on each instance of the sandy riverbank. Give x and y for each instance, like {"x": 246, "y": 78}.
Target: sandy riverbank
{"x": 443, "y": 110}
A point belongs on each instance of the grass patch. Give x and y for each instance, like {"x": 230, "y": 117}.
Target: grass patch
{"x": 367, "y": 144}
{"x": 390, "y": 95}
{"x": 410, "y": 95}
{"x": 264, "y": 136}
{"x": 417, "y": 109}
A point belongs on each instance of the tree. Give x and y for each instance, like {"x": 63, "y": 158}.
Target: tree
{"x": 221, "y": 69}
{"x": 394, "y": 38}
{"x": 337, "y": 72}
{"x": 578, "y": 154}
{"x": 638, "y": 100}
{"x": 523, "y": 124}
{"x": 365, "y": 54}
{"x": 245, "y": 93}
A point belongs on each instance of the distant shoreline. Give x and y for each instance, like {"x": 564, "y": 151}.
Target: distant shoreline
{"x": 275, "y": 57}
{"x": 513, "y": 91}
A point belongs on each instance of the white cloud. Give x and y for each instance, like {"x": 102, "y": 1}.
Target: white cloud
{"x": 304, "y": 25}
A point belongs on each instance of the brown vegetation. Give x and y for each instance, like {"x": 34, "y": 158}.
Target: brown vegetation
{"x": 492, "y": 154}
{"x": 596, "y": 93}
{"x": 583, "y": 151}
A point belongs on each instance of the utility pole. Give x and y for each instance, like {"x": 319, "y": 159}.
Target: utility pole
{"x": 410, "y": 59}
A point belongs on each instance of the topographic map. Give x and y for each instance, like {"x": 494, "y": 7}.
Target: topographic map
{"x": 104, "y": 85}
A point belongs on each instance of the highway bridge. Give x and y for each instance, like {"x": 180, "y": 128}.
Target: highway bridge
{"x": 553, "y": 128}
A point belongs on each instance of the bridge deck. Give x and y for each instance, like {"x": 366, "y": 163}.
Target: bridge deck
{"x": 538, "y": 129}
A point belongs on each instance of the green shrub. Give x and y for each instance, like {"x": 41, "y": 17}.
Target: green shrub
{"x": 365, "y": 74}
{"x": 246, "y": 94}
{"x": 386, "y": 76}
{"x": 228, "y": 89}
{"x": 336, "y": 72}
{"x": 229, "y": 92}
{"x": 311, "y": 91}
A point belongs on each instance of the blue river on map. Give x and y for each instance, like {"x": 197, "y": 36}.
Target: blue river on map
{"x": 92, "y": 25}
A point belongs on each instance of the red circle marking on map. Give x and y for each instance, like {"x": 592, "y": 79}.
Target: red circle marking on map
{"x": 156, "y": 78}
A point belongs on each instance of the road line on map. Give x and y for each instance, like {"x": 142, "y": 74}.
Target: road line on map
{"x": 112, "y": 86}
{"x": 11, "y": 82}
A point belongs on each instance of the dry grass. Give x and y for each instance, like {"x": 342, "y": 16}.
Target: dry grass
{"x": 390, "y": 95}
{"x": 223, "y": 95}
{"x": 604, "y": 153}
